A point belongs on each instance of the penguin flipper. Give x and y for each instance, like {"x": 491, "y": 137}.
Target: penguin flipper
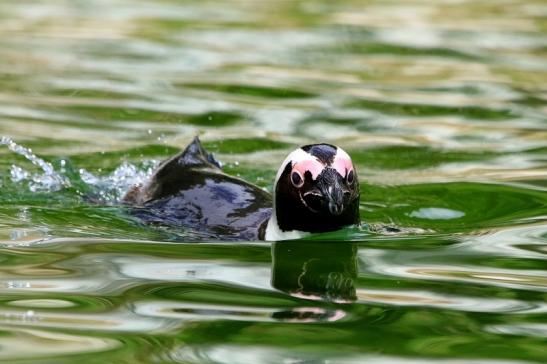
{"x": 173, "y": 174}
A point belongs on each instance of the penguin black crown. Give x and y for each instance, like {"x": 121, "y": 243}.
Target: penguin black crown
{"x": 316, "y": 190}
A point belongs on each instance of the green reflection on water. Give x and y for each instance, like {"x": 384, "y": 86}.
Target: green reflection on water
{"x": 441, "y": 106}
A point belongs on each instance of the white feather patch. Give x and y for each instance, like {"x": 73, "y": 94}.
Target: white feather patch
{"x": 296, "y": 156}
{"x": 342, "y": 162}
{"x": 274, "y": 233}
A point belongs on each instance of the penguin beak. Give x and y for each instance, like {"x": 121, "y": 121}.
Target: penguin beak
{"x": 335, "y": 207}
{"x": 331, "y": 185}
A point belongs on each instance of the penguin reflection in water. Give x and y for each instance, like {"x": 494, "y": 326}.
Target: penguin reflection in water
{"x": 318, "y": 271}
{"x": 316, "y": 190}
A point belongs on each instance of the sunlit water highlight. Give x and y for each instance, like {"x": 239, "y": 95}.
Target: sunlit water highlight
{"x": 441, "y": 104}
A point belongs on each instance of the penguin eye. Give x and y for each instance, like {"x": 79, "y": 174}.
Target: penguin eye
{"x": 296, "y": 179}
{"x": 350, "y": 177}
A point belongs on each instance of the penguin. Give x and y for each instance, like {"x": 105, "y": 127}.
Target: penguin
{"x": 316, "y": 190}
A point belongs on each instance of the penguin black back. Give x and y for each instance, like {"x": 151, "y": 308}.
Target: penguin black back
{"x": 191, "y": 191}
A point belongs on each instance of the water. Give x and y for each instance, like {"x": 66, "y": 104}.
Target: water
{"x": 440, "y": 103}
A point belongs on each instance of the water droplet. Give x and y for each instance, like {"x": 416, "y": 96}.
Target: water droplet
{"x": 18, "y": 174}
{"x": 112, "y": 187}
{"x": 48, "y": 180}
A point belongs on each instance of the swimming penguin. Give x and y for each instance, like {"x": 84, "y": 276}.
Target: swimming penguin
{"x": 316, "y": 190}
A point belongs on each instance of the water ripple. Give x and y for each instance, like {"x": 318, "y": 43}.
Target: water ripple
{"x": 252, "y": 276}
{"x": 15, "y": 346}
{"x": 440, "y": 104}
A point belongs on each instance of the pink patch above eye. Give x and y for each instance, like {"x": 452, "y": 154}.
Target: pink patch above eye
{"x": 342, "y": 163}
{"x": 312, "y": 165}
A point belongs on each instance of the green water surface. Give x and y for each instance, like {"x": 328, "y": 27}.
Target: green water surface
{"x": 441, "y": 104}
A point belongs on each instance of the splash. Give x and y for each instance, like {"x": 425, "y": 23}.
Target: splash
{"x": 112, "y": 187}
{"x": 46, "y": 180}
{"x": 104, "y": 189}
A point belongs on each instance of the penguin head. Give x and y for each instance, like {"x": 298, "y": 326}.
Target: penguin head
{"x": 316, "y": 190}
